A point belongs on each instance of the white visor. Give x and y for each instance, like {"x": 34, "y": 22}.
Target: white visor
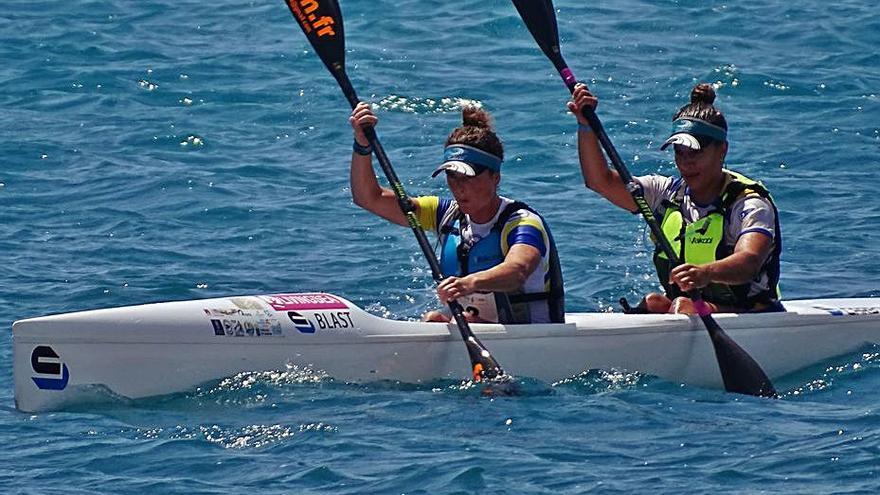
{"x": 683, "y": 139}
{"x": 455, "y": 166}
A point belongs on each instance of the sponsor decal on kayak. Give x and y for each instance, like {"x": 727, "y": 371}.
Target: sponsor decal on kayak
{"x": 234, "y": 327}
{"x": 853, "y": 311}
{"x": 321, "y": 320}
{"x": 301, "y": 322}
{"x": 45, "y": 361}
{"x": 223, "y": 311}
{"x": 298, "y": 302}
{"x": 234, "y": 322}
{"x": 247, "y": 303}
{"x": 334, "y": 320}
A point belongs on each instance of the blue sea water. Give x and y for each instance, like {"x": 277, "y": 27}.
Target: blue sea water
{"x": 156, "y": 151}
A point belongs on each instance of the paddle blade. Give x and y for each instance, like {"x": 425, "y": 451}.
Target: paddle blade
{"x": 321, "y": 21}
{"x": 483, "y": 364}
{"x": 740, "y": 372}
{"x": 487, "y": 372}
{"x": 540, "y": 18}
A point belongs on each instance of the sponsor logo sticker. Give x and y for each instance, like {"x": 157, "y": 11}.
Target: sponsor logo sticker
{"x": 223, "y": 311}
{"x": 45, "y": 361}
{"x": 336, "y": 321}
{"x": 233, "y": 322}
{"x": 301, "y": 322}
{"x": 247, "y": 303}
{"x": 333, "y": 320}
{"x": 298, "y": 302}
{"x": 861, "y": 311}
{"x": 853, "y": 311}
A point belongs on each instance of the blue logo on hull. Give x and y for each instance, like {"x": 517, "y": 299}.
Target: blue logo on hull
{"x": 45, "y": 361}
{"x": 301, "y": 322}
{"x": 53, "y": 383}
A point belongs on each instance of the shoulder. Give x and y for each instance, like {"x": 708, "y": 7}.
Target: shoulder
{"x": 753, "y": 213}
{"x": 660, "y": 184}
{"x": 433, "y": 203}
{"x": 430, "y": 210}
{"x": 746, "y": 193}
{"x": 742, "y": 185}
{"x": 751, "y": 204}
{"x": 524, "y": 215}
{"x": 525, "y": 227}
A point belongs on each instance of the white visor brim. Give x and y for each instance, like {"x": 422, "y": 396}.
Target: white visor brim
{"x": 455, "y": 166}
{"x": 683, "y": 139}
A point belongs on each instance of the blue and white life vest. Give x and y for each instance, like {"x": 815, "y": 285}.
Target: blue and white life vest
{"x": 459, "y": 258}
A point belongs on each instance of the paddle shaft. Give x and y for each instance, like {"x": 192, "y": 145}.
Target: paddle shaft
{"x": 322, "y": 25}
{"x": 739, "y": 371}
{"x": 475, "y": 348}
{"x": 403, "y": 200}
{"x": 635, "y": 190}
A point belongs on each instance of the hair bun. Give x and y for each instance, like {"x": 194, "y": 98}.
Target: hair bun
{"x": 476, "y": 117}
{"x": 703, "y": 93}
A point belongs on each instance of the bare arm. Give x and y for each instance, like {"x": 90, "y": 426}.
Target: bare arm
{"x": 594, "y": 167}
{"x": 365, "y": 189}
{"x": 740, "y": 267}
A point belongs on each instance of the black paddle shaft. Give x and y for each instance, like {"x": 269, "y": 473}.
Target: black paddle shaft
{"x": 321, "y": 21}
{"x": 739, "y": 371}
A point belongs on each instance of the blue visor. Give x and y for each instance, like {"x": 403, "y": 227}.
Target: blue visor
{"x": 687, "y": 132}
{"x": 467, "y": 160}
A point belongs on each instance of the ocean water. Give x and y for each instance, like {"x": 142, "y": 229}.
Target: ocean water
{"x": 156, "y": 151}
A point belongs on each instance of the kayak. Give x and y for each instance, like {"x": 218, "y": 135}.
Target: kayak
{"x": 162, "y": 348}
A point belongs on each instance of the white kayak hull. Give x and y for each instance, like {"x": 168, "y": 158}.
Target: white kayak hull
{"x": 156, "y": 349}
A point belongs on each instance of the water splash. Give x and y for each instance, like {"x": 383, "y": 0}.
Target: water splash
{"x": 837, "y": 374}
{"x": 396, "y": 103}
{"x": 293, "y": 375}
{"x": 597, "y": 381}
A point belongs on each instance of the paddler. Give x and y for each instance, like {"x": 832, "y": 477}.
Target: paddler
{"x": 497, "y": 255}
{"x": 724, "y": 225}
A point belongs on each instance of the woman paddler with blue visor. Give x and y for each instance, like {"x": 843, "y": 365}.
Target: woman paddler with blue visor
{"x": 724, "y": 226}
{"x": 497, "y": 255}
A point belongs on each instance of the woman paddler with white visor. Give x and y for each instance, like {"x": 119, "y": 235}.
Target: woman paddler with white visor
{"x": 497, "y": 255}
{"x": 724, "y": 225}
